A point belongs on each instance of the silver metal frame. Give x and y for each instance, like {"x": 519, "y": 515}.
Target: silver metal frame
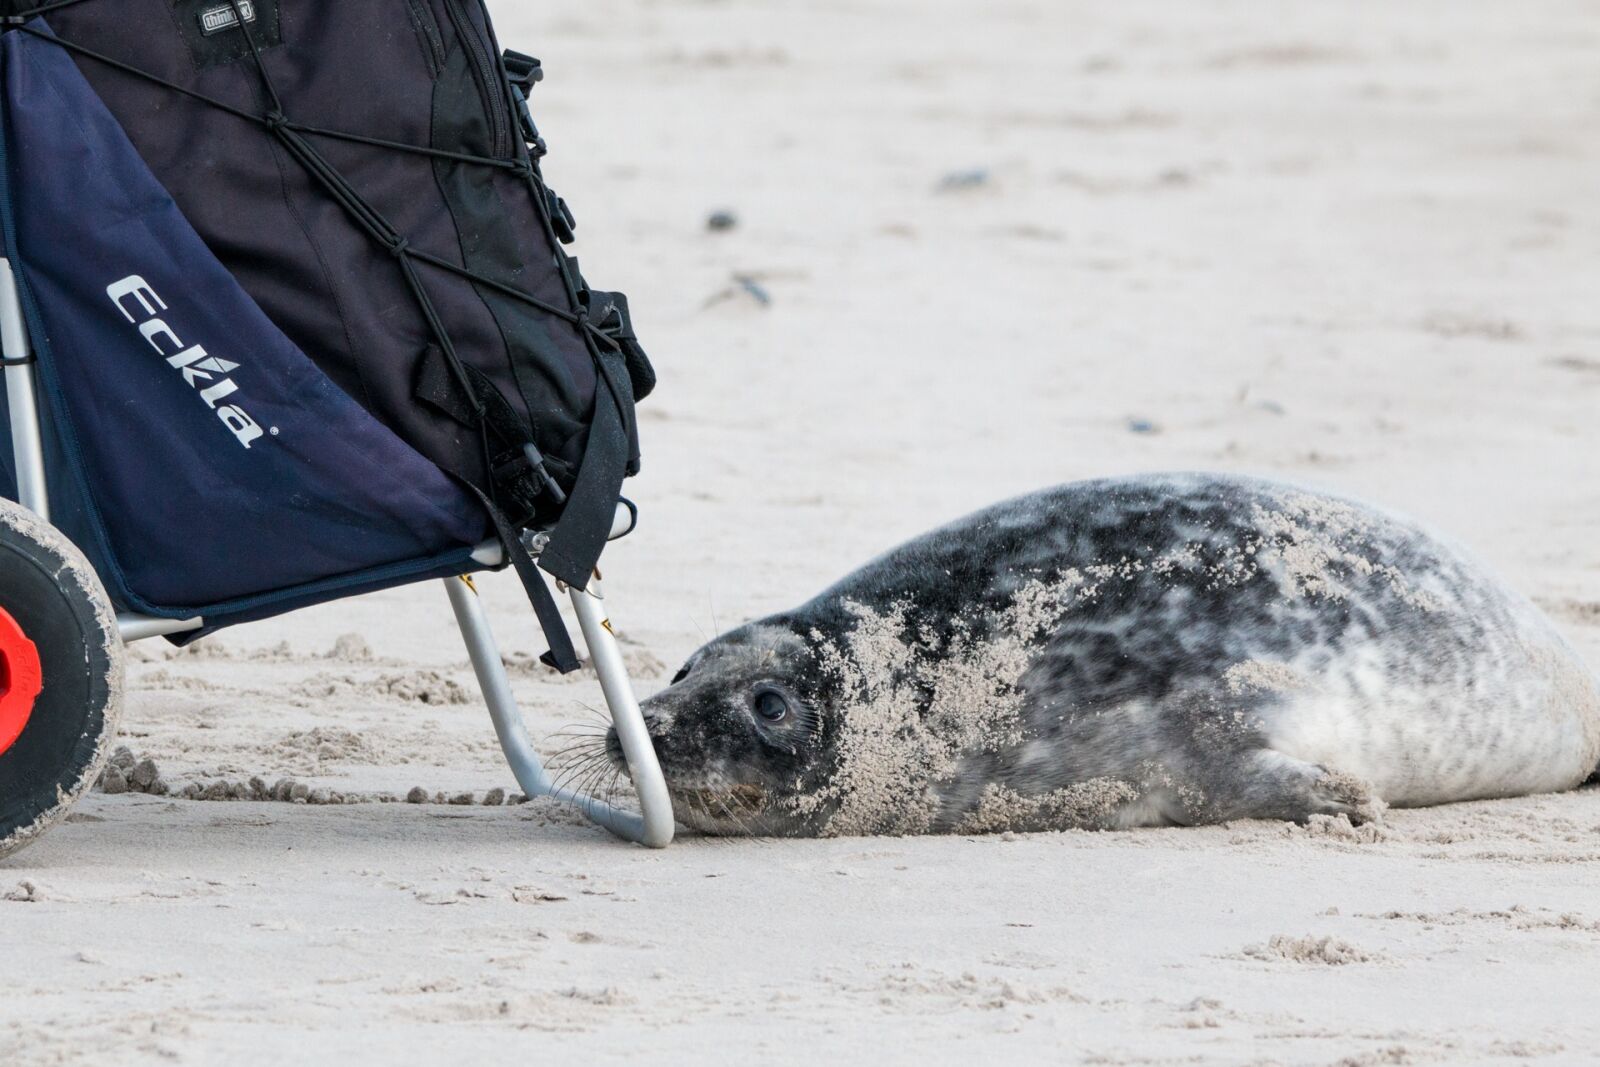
{"x": 652, "y": 826}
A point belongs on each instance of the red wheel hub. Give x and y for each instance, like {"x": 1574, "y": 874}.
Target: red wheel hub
{"x": 21, "y": 679}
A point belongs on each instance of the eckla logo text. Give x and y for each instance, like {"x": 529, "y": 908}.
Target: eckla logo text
{"x": 205, "y": 373}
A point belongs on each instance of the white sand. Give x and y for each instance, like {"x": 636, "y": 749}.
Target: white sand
{"x": 1352, "y": 243}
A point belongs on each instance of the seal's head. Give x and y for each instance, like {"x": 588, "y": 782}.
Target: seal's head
{"x": 742, "y": 734}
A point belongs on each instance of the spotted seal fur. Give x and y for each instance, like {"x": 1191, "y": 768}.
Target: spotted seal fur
{"x": 1156, "y": 650}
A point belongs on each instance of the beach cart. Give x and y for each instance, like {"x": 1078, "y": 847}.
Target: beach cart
{"x": 288, "y": 317}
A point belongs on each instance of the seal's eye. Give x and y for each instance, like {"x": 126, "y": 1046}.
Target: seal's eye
{"x": 683, "y": 672}
{"x": 771, "y": 705}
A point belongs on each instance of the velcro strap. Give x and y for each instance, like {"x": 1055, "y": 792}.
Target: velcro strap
{"x": 438, "y": 388}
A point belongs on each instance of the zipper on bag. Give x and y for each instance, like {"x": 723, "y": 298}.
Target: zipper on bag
{"x": 428, "y": 30}
{"x": 486, "y": 72}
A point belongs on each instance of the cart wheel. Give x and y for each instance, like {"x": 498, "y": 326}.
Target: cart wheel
{"x": 60, "y": 676}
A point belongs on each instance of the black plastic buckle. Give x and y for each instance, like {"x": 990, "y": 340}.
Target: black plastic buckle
{"x": 527, "y": 493}
{"x": 525, "y": 467}
{"x": 530, "y": 132}
{"x": 561, "y": 218}
{"x": 536, "y": 460}
{"x": 610, "y": 319}
{"x": 524, "y": 71}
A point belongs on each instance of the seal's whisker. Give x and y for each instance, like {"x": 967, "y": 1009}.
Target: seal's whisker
{"x": 578, "y": 769}
{"x": 601, "y": 717}
{"x": 597, "y": 781}
{"x": 568, "y": 738}
{"x": 609, "y": 790}
{"x": 597, "y": 791}
{"x": 601, "y": 788}
{"x": 569, "y": 742}
{"x": 579, "y": 796}
{"x": 732, "y": 816}
{"x": 565, "y": 754}
{"x": 564, "y": 783}
{"x": 581, "y": 729}
{"x": 570, "y": 767}
{"x": 587, "y": 786}
{"x": 575, "y": 786}
{"x": 593, "y": 762}
{"x": 568, "y": 757}
{"x": 585, "y": 737}
{"x": 713, "y": 836}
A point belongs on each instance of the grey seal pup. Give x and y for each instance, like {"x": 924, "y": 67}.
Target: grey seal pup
{"x": 1147, "y": 651}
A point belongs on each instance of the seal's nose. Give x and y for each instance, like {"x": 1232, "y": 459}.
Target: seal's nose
{"x": 614, "y": 748}
{"x": 654, "y": 718}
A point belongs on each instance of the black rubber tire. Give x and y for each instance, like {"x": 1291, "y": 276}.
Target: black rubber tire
{"x": 53, "y": 593}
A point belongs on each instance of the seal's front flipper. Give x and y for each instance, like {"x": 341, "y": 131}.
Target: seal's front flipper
{"x": 1271, "y": 785}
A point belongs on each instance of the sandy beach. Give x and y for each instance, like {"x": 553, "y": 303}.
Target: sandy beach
{"x": 979, "y": 250}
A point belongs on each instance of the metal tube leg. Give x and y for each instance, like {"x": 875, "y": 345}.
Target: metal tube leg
{"x": 655, "y": 826}
{"x": 27, "y": 442}
{"x": 491, "y": 671}
{"x": 657, "y": 823}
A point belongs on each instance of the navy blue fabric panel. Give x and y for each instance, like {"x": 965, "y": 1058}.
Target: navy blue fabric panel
{"x": 69, "y": 510}
{"x": 449, "y": 565}
{"x": 219, "y": 464}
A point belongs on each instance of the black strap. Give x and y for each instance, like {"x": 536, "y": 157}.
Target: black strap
{"x": 562, "y": 655}
{"x": 579, "y": 538}
{"x": 618, "y": 325}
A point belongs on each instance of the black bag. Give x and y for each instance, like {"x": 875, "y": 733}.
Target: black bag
{"x": 368, "y": 170}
